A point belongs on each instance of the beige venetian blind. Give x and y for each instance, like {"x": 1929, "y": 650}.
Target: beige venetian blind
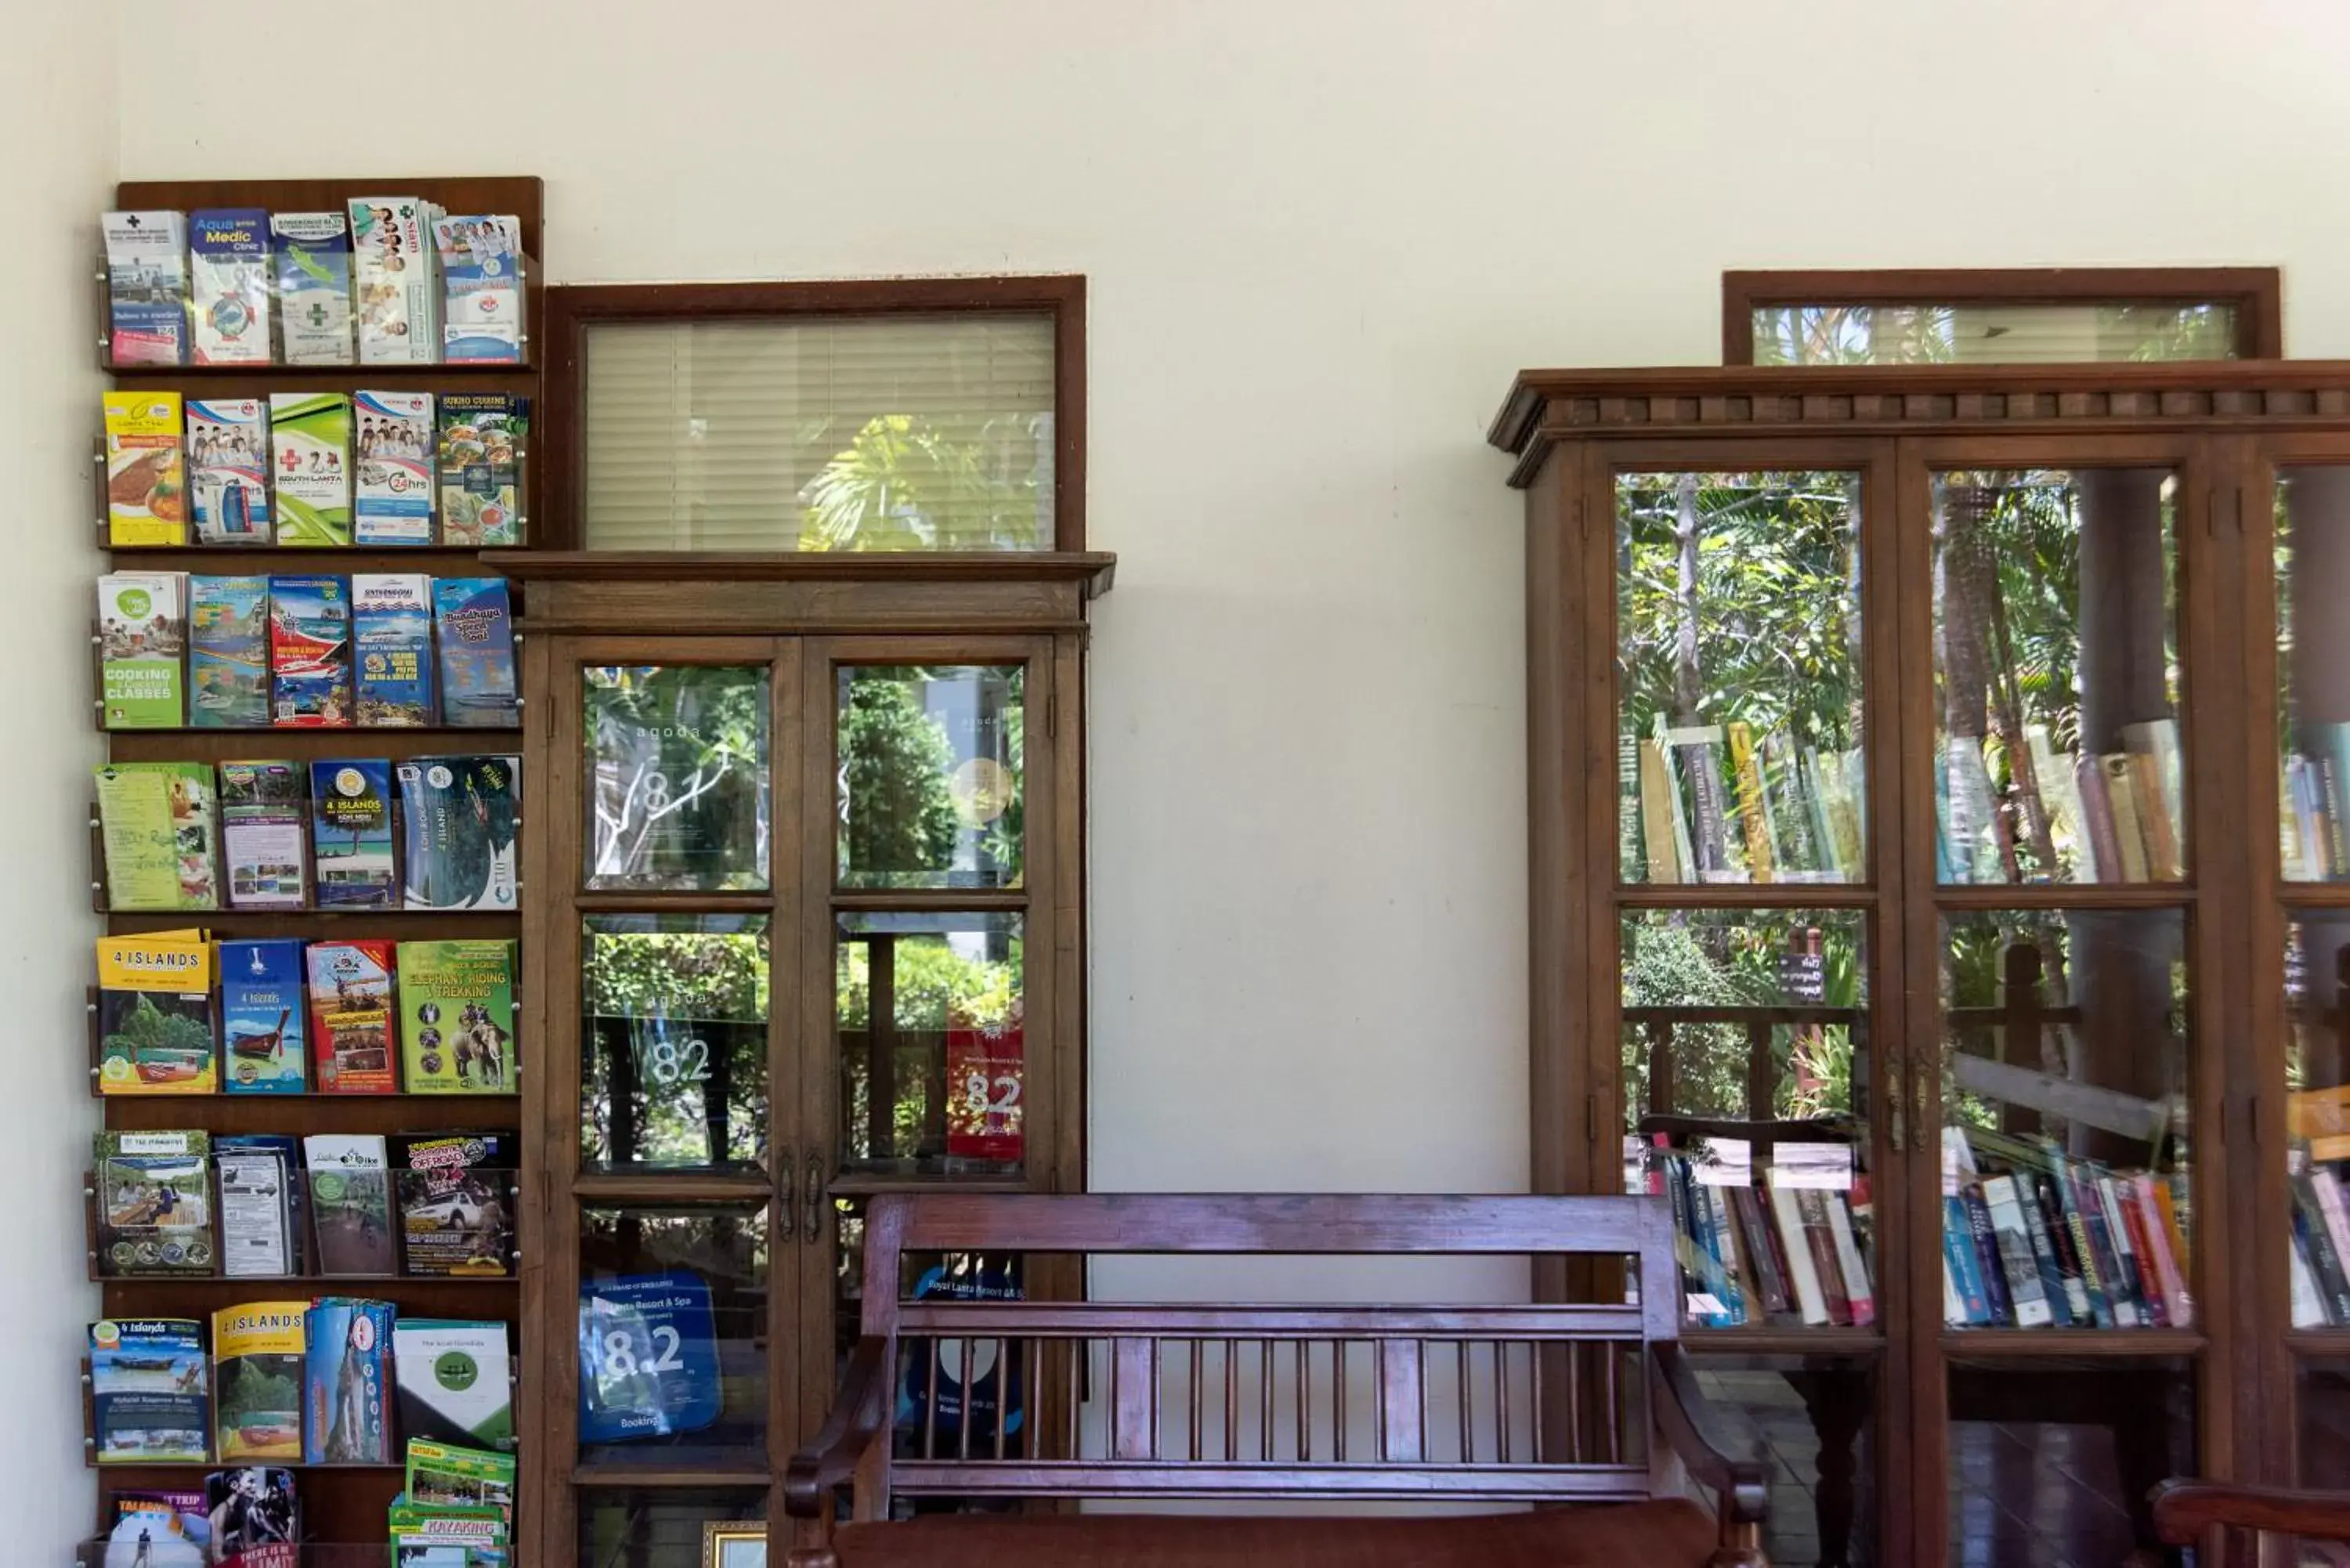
{"x": 1831, "y": 334}
{"x": 875, "y": 432}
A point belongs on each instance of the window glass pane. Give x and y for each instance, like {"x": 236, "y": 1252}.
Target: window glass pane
{"x": 2016, "y": 334}
{"x": 1814, "y": 1420}
{"x": 678, "y": 760}
{"x": 2057, "y": 746}
{"x": 2066, "y": 1150}
{"x": 2312, "y": 574}
{"x": 2052, "y": 1464}
{"x": 875, "y": 432}
{"x": 1739, "y": 732}
{"x": 930, "y": 771}
{"x": 665, "y": 1527}
{"x": 2317, "y": 1115}
{"x": 1746, "y": 1087}
{"x": 674, "y": 1336}
{"x": 933, "y": 1067}
{"x": 675, "y": 1036}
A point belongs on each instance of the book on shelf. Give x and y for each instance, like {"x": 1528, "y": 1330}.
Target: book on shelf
{"x": 2118, "y": 777}
{"x": 444, "y": 1475}
{"x": 455, "y": 1382}
{"x": 157, "y": 829}
{"x": 258, "y": 1348}
{"x": 314, "y": 286}
{"x": 1629, "y": 857}
{"x": 158, "y": 1529}
{"x": 482, "y": 301}
{"x": 2161, "y": 780}
{"x": 146, "y": 287}
{"x": 482, "y": 437}
{"x": 228, "y": 652}
{"x": 350, "y": 1023}
{"x": 351, "y": 833}
{"x": 1753, "y": 804}
{"x": 472, "y": 626}
{"x": 1791, "y": 1251}
{"x": 155, "y": 1014}
{"x": 456, "y": 1016}
{"x": 154, "y": 1203}
{"x": 228, "y": 470}
{"x": 1659, "y": 816}
{"x": 391, "y": 638}
{"x": 257, "y": 1518}
{"x": 259, "y": 1212}
{"x": 347, "y": 1384}
{"x": 150, "y": 1390}
{"x": 265, "y": 1017}
{"x": 228, "y": 280}
{"x": 395, "y": 290}
{"x": 265, "y": 809}
{"x": 350, "y": 1178}
{"x": 146, "y": 477}
{"x": 310, "y": 651}
{"x": 393, "y": 440}
{"x": 1723, "y": 803}
{"x": 459, "y": 816}
{"x": 456, "y": 1206}
{"x": 2028, "y": 1302}
{"x": 142, "y": 629}
{"x": 310, "y": 464}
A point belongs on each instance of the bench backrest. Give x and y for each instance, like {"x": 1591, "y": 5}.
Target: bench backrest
{"x": 1471, "y": 1402}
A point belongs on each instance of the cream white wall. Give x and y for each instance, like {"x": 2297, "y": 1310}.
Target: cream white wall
{"x": 1321, "y": 235}
{"x": 56, "y": 120}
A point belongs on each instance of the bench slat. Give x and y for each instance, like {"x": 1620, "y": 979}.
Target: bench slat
{"x": 1588, "y": 1483}
{"x": 1293, "y": 1223}
{"x": 1053, "y": 1320}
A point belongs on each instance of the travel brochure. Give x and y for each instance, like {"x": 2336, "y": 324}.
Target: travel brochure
{"x": 179, "y": 1014}
{"x": 386, "y": 280}
{"x": 387, "y": 651}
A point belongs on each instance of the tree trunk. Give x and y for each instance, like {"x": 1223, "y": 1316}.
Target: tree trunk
{"x": 1967, "y": 581}
{"x": 1709, "y": 832}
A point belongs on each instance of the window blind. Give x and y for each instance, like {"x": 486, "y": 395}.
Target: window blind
{"x": 877, "y": 433}
{"x": 1990, "y": 335}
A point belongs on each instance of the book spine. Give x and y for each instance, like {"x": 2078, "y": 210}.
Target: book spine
{"x": 2044, "y": 1250}
{"x": 2096, "y": 1270}
{"x": 2160, "y": 1307}
{"x": 1684, "y": 1237}
{"x": 1792, "y": 806}
{"x": 2112, "y": 1289}
{"x": 2130, "y": 832}
{"x": 1630, "y": 820}
{"x": 1724, "y": 1243}
{"x": 1703, "y": 769}
{"x": 2325, "y": 1259}
{"x": 2071, "y": 1276}
{"x": 2170, "y": 1260}
{"x": 1753, "y": 809}
{"x": 1810, "y": 1298}
{"x": 1958, "y": 1258}
{"x": 1985, "y": 1238}
{"x": 2097, "y": 814}
{"x": 2126, "y": 1267}
{"x": 2027, "y": 1297}
{"x": 2154, "y": 814}
{"x": 2308, "y": 1305}
{"x": 1755, "y": 1234}
{"x": 1656, "y": 813}
{"x": 1856, "y": 1287}
{"x": 2338, "y": 848}
{"x": 2328, "y": 1189}
{"x": 1820, "y": 1241}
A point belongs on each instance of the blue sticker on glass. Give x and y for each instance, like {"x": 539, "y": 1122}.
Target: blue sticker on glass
{"x": 952, "y": 1381}
{"x": 648, "y": 1357}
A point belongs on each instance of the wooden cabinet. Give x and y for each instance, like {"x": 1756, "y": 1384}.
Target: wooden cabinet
{"x": 1934, "y": 830}
{"x": 806, "y": 875}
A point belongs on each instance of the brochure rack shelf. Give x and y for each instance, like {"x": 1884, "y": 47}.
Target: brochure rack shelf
{"x": 338, "y": 1503}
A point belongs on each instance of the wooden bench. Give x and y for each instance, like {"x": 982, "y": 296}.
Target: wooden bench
{"x": 1456, "y": 1405}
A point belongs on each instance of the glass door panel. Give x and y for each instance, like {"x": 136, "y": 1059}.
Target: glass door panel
{"x": 677, "y": 764}
{"x": 931, "y": 767}
{"x": 2312, "y": 561}
{"x": 674, "y": 1043}
{"x": 2057, "y": 748}
{"x": 1739, "y": 728}
{"x": 2066, "y": 1149}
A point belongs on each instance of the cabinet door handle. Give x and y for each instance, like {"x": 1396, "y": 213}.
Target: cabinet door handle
{"x": 815, "y": 1196}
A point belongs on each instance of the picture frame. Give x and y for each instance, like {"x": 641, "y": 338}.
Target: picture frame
{"x": 733, "y": 1543}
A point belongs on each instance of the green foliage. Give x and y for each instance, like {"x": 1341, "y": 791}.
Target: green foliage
{"x": 905, "y": 483}
{"x": 681, "y": 974}
{"x": 147, "y": 1027}
{"x": 680, "y": 775}
{"x": 247, "y": 1390}
{"x": 894, "y": 762}
{"x": 1707, "y": 959}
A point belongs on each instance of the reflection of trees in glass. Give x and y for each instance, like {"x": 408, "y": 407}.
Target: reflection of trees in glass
{"x": 680, "y": 754}
{"x": 910, "y": 812}
{"x": 935, "y": 987}
{"x": 1942, "y": 334}
{"x": 1706, "y": 960}
{"x": 907, "y": 482}
{"x": 646, "y": 989}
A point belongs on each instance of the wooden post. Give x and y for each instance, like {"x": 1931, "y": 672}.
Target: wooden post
{"x": 2020, "y": 1026}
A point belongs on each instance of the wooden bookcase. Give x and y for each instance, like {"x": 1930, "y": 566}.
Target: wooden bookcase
{"x": 2174, "y": 510}
{"x": 340, "y": 1503}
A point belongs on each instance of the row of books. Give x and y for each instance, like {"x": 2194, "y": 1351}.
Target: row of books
{"x": 1713, "y": 803}
{"x": 316, "y": 470}
{"x": 2040, "y": 1240}
{"x": 374, "y": 651}
{"x": 392, "y": 280}
{"x": 324, "y": 835}
{"x": 207, "y": 1205}
{"x": 2319, "y": 1123}
{"x": 288, "y": 1016}
{"x": 2315, "y": 788}
{"x": 1790, "y": 1252}
{"x": 2118, "y": 816}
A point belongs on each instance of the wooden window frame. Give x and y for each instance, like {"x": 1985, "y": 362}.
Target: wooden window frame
{"x": 2257, "y": 293}
{"x": 573, "y": 308}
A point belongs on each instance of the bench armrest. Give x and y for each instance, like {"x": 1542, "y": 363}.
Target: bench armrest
{"x": 2184, "y": 1509}
{"x": 1742, "y": 1484}
{"x": 859, "y": 1418}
